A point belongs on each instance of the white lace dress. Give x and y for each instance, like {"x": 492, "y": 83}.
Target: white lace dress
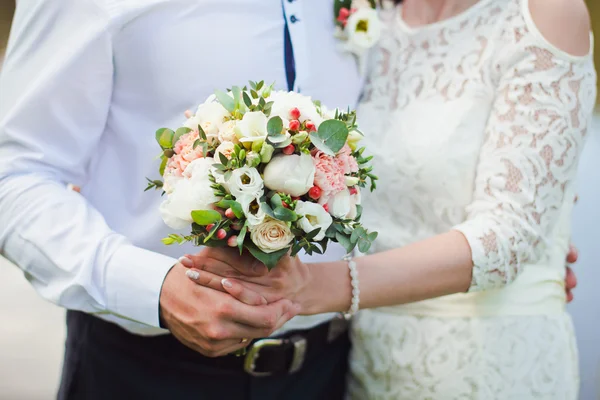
{"x": 476, "y": 124}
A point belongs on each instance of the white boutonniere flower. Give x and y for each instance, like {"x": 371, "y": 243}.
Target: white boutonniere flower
{"x": 357, "y": 26}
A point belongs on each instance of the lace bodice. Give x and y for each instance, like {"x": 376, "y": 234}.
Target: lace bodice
{"x": 476, "y": 124}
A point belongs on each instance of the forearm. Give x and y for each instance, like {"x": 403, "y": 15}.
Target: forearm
{"x": 427, "y": 269}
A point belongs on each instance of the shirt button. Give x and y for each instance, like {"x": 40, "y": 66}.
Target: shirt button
{"x": 293, "y": 19}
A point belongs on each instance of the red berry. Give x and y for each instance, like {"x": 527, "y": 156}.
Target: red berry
{"x": 310, "y": 126}
{"x": 353, "y": 190}
{"x": 229, "y": 213}
{"x": 294, "y": 125}
{"x": 315, "y": 193}
{"x": 221, "y": 234}
{"x": 295, "y": 113}
{"x": 284, "y": 204}
{"x": 344, "y": 13}
{"x": 237, "y": 226}
{"x": 326, "y": 207}
{"x": 289, "y": 149}
{"x": 232, "y": 241}
{"x": 295, "y": 198}
{"x": 209, "y": 227}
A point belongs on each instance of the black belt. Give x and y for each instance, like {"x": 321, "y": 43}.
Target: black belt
{"x": 279, "y": 355}
{"x": 285, "y": 354}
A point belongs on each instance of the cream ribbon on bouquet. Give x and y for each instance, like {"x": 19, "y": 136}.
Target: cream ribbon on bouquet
{"x": 358, "y": 27}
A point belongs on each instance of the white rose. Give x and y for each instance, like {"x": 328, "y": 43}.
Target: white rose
{"x": 271, "y": 235}
{"x": 252, "y": 210}
{"x": 293, "y": 174}
{"x": 313, "y": 216}
{"x": 245, "y": 182}
{"x": 252, "y": 127}
{"x": 210, "y": 116}
{"x": 339, "y": 204}
{"x": 354, "y": 201}
{"x": 193, "y": 192}
{"x": 227, "y": 132}
{"x": 283, "y": 102}
{"x": 225, "y": 148}
{"x": 363, "y": 29}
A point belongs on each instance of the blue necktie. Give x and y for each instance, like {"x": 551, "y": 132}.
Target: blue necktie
{"x": 290, "y": 65}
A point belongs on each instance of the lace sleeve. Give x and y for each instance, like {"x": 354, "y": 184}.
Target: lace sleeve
{"x": 528, "y": 161}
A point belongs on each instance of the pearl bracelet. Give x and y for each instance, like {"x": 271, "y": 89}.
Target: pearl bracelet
{"x": 355, "y": 288}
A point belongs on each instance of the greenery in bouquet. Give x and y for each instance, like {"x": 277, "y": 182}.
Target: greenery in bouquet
{"x": 266, "y": 171}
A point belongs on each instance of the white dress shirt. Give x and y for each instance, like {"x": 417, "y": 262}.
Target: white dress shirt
{"x": 85, "y": 84}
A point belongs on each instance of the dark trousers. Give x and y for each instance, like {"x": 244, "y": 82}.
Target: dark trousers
{"x": 105, "y": 362}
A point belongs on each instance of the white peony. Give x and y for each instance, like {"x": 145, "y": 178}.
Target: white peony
{"x": 291, "y": 174}
{"x": 271, "y": 235}
{"x": 363, "y": 29}
{"x": 252, "y": 127}
{"x": 313, "y": 216}
{"x": 339, "y": 204}
{"x": 170, "y": 181}
{"x": 245, "y": 182}
{"x": 252, "y": 210}
{"x": 227, "y": 132}
{"x": 225, "y": 148}
{"x": 283, "y": 102}
{"x": 193, "y": 192}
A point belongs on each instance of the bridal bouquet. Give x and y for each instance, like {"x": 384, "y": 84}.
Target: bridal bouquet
{"x": 268, "y": 171}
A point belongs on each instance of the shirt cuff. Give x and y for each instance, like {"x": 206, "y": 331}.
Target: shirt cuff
{"x": 134, "y": 281}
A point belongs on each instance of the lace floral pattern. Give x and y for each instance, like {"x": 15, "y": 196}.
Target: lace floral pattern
{"x": 487, "y": 120}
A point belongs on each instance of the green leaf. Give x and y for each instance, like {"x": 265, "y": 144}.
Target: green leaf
{"x": 205, "y": 217}
{"x": 224, "y": 160}
{"x": 295, "y": 249}
{"x": 331, "y": 136}
{"x": 284, "y": 214}
{"x": 179, "y": 133}
{"x": 163, "y": 165}
{"x": 197, "y": 143}
{"x": 358, "y": 233}
{"x": 237, "y": 96}
{"x": 268, "y": 259}
{"x": 241, "y": 237}
{"x": 247, "y": 99}
{"x": 234, "y": 205}
{"x": 164, "y": 137}
{"x": 364, "y": 246}
{"x": 201, "y": 133}
{"x": 276, "y": 200}
{"x": 312, "y": 234}
{"x": 212, "y": 233}
{"x": 344, "y": 241}
{"x": 275, "y": 126}
{"x": 372, "y": 236}
{"x": 267, "y": 210}
{"x": 225, "y": 100}
{"x": 260, "y": 85}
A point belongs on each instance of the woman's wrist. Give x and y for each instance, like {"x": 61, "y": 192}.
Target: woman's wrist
{"x": 328, "y": 289}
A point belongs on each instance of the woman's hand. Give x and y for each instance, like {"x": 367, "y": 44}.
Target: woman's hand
{"x": 247, "y": 279}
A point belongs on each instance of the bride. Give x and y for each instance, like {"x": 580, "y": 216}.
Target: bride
{"x": 477, "y": 112}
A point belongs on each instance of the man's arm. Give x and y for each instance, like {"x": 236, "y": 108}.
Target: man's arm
{"x": 55, "y": 94}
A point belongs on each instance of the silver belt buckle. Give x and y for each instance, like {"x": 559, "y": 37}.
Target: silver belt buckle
{"x": 253, "y": 354}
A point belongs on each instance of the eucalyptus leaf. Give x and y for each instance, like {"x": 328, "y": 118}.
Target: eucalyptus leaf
{"x": 179, "y": 133}
{"x": 331, "y": 136}
{"x": 164, "y": 137}
{"x": 364, "y": 246}
{"x": 344, "y": 241}
{"x": 275, "y": 126}
{"x": 276, "y": 200}
{"x": 226, "y": 101}
{"x": 163, "y": 165}
{"x": 285, "y": 214}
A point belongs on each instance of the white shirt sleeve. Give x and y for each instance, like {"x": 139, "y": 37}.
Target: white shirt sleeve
{"x": 55, "y": 95}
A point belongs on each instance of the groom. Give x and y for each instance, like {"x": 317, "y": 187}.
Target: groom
{"x": 84, "y": 85}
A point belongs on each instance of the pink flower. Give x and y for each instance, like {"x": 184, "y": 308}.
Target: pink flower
{"x": 184, "y": 154}
{"x": 329, "y": 173}
{"x": 346, "y": 161}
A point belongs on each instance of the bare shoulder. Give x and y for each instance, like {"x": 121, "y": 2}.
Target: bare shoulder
{"x": 563, "y": 23}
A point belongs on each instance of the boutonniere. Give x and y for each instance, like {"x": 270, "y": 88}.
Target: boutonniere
{"x": 357, "y": 25}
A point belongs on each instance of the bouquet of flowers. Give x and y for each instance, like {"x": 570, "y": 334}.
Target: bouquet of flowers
{"x": 267, "y": 171}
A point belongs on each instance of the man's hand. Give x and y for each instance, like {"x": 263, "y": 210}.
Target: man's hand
{"x": 215, "y": 323}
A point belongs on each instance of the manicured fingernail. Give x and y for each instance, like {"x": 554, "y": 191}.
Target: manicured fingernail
{"x": 186, "y": 261}
{"x": 227, "y": 284}
{"x": 192, "y": 274}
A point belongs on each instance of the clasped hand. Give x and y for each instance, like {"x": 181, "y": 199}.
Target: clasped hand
{"x": 206, "y": 305}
